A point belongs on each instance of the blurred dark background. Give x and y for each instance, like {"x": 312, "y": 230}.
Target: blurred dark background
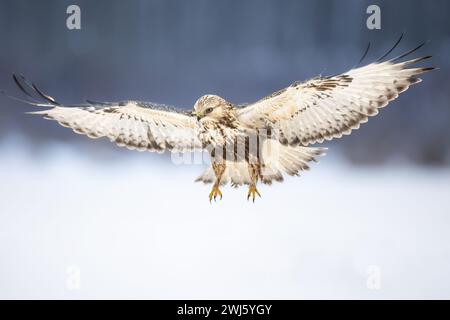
{"x": 175, "y": 51}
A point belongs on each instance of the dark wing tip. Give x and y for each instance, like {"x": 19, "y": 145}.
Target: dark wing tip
{"x": 364, "y": 55}
{"x": 44, "y": 96}
{"x": 32, "y": 91}
{"x": 391, "y": 49}
{"x": 409, "y": 52}
{"x": 426, "y": 69}
{"x": 21, "y": 86}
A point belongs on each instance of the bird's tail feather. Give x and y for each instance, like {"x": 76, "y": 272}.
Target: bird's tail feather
{"x": 286, "y": 159}
{"x": 276, "y": 159}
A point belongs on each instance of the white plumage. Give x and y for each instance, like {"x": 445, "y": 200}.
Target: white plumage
{"x": 284, "y": 123}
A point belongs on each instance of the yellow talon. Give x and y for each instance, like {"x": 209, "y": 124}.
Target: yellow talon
{"x": 252, "y": 192}
{"x": 214, "y": 193}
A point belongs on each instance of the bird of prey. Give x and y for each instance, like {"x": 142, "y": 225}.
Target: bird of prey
{"x": 248, "y": 144}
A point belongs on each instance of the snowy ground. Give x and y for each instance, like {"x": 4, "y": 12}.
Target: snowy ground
{"x": 76, "y": 228}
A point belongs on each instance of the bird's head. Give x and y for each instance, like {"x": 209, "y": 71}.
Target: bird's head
{"x": 211, "y": 107}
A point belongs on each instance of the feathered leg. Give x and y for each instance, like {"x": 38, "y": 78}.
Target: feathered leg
{"x": 219, "y": 168}
{"x": 254, "y": 170}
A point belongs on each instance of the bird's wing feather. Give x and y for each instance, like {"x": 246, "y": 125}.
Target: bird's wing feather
{"x": 328, "y": 107}
{"x": 135, "y": 125}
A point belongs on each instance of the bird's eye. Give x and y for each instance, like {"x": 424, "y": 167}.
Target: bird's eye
{"x": 209, "y": 110}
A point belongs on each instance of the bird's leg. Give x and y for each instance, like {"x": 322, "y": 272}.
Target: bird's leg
{"x": 254, "y": 173}
{"x": 219, "y": 168}
{"x": 252, "y": 192}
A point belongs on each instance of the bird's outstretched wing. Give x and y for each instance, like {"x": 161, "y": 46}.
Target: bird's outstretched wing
{"x": 324, "y": 108}
{"x": 132, "y": 124}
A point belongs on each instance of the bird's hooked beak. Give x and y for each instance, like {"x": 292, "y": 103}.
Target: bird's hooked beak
{"x": 195, "y": 114}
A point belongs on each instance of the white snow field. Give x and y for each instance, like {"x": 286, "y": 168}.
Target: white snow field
{"x": 72, "y": 227}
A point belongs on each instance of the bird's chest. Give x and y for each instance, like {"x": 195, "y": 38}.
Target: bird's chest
{"x": 215, "y": 134}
